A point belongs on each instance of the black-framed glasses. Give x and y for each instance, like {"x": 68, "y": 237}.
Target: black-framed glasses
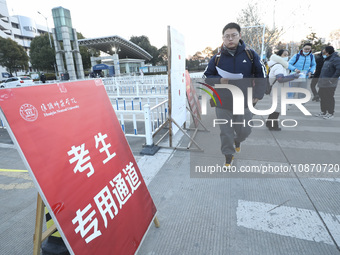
{"x": 231, "y": 36}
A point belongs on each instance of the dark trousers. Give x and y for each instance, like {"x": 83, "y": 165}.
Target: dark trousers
{"x": 313, "y": 85}
{"x": 327, "y": 102}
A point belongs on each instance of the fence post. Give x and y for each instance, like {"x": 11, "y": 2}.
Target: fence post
{"x": 137, "y": 88}
{"x": 149, "y": 148}
{"x": 148, "y": 128}
{"x": 117, "y": 86}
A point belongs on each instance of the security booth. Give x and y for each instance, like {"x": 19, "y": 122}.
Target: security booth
{"x": 108, "y": 70}
{"x": 129, "y": 65}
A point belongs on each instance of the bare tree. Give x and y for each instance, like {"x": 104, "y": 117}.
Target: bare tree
{"x": 335, "y": 35}
{"x": 198, "y": 56}
{"x": 335, "y": 38}
{"x": 208, "y": 52}
{"x": 252, "y": 24}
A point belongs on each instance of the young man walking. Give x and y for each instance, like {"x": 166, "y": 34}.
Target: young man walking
{"x": 235, "y": 58}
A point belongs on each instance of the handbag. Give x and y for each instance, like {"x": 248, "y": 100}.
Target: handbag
{"x": 212, "y": 103}
{"x": 269, "y": 87}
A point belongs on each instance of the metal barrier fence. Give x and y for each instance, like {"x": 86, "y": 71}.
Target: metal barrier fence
{"x": 196, "y": 75}
{"x": 135, "y": 102}
{"x": 155, "y": 117}
{"x": 136, "y": 85}
{"x": 140, "y": 103}
{"x": 141, "y": 116}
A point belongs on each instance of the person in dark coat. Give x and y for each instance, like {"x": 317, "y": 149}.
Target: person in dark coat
{"x": 328, "y": 82}
{"x": 237, "y": 59}
{"x": 43, "y": 78}
{"x": 319, "y": 63}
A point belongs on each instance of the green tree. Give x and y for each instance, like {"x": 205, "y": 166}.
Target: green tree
{"x": 163, "y": 56}
{"x": 12, "y": 55}
{"x": 42, "y": 56}
{"x": 86, "y": 53}
{"x": 198, "y": 56}
{"x": 317, "y": 42}
{"x": 144, "y": 43}
{"x": 192, "y": 65}
{"x": 198, "y": 61}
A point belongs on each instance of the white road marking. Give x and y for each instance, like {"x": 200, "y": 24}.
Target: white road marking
{"x": 288, "y": 221}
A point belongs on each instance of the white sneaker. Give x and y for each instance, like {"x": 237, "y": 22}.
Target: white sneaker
{"x": 320, "y": 114}
{"x": 328, "y": 116}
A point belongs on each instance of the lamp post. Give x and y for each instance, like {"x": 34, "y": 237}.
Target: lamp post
{"x": 49, "y": 38}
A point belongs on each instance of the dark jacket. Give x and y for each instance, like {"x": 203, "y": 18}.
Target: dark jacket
{"x": 43, "y": 78}
{"x": 319, "y": 63}
{"x": 239, "y": 63}
{"x": 330, "y": 72}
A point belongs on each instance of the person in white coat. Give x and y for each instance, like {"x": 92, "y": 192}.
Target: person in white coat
{"x": 278, "y": 77}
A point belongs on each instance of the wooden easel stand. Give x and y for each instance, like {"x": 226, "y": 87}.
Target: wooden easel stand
{"x": 40, "y": 236}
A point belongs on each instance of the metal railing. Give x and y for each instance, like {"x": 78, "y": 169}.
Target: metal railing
{"x": 135, "y": 102}
{"x": 155, "y": 118}
{"x": 141, "y": 116}
{"x": 118, "y": 86}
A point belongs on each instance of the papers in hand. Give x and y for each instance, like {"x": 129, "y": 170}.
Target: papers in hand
{"x": 302, "y": 77}
{"x": 230, "y": 76}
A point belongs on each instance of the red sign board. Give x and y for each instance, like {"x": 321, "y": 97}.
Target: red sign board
{"x": 83, "y": 167}
{"x": 194, "y": 104}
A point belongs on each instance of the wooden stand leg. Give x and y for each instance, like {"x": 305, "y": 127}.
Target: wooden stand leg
{"x": 40, "y": 236}
{"x": 156, "y": 222}
{"x": 38, "y": 226}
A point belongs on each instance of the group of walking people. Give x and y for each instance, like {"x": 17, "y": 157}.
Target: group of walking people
{"x": 325, "y": 68}
{"x": 235, "y": 57}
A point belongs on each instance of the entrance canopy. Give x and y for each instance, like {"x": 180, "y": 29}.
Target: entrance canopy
{"x": 100, "y": 67}
{"x": 113, "y": 44}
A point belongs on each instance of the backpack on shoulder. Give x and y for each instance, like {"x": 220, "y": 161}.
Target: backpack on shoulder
{"x": 268, "y": 85}
{"x": 298, "y": 56}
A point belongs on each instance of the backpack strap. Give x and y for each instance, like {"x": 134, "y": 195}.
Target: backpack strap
{"x": 298, "y": 55}
{"x": 217, "y": 59}
{"x": 218, "y": 55}
{"x": 269, "y": 72}
{"x": 251, "y": 57}
{"x": 311, "y": 59}
{"x": 249, "y": 54}
{"x": 297, "y": 58}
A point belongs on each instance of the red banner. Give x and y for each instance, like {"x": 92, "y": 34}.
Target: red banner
{"x": 192, "y": 97}
{"x": 82, "y": 165}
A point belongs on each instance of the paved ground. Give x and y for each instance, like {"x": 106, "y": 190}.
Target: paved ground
{"x": 233, "y": 214}
{"x": 203, "y": 213}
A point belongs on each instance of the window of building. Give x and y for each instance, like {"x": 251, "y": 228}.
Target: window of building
{"x": 14, "y": 25}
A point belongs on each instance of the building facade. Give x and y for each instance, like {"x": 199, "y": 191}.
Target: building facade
{"x": 66, "y": 44}
{"x": 21, "y": 29}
